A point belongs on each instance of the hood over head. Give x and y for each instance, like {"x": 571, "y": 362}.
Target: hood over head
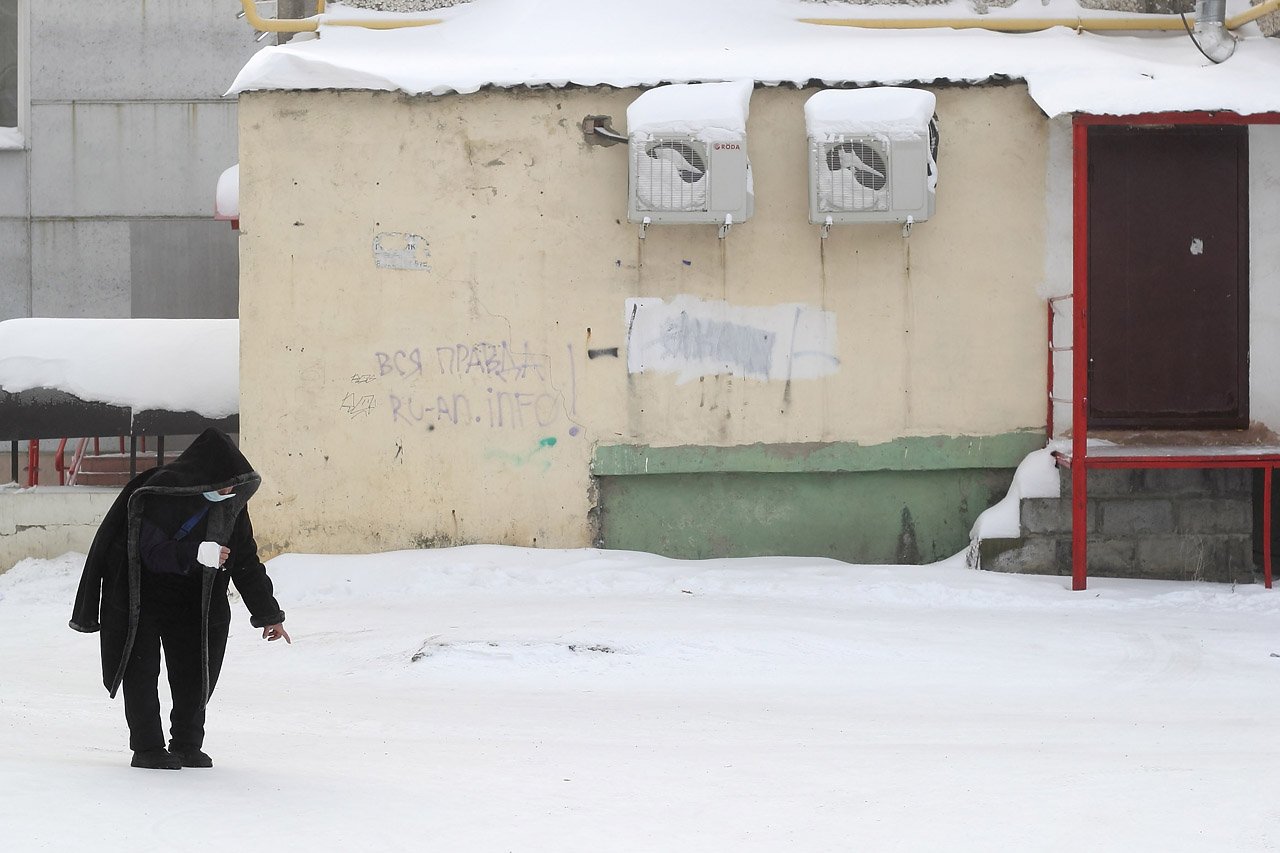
{"x": 212, "y": 462}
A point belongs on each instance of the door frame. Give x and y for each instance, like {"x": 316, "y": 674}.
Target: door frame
{"x": 1080, "y": 239}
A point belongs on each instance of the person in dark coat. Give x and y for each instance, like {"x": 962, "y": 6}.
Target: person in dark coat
{"x": 156, "y": 575}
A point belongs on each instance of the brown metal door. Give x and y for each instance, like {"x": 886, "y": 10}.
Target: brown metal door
{"x": 1168, "y": 277}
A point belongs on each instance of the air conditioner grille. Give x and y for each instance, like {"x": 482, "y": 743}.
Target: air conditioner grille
{"x": 670, "y": 174}
{"x": 852, "y": 175}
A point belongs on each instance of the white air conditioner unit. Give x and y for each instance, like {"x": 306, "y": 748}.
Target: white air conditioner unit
{"x": 688, "y": 155}
{"x": 680, "y": 178}
{"x": 872, "y": 156}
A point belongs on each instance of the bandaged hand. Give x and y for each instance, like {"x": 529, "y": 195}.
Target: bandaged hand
{"x": 212, "y": 554}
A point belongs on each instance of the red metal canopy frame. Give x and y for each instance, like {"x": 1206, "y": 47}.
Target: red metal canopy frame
{"x": 1079, "y": 460}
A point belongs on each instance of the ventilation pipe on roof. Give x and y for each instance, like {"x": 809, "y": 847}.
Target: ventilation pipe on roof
{"x": 1211, "y": 34}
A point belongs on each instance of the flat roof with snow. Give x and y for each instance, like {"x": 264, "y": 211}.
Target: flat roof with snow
{"x": 627, "y": 43}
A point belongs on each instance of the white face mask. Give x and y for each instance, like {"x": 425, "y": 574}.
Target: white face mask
{"x": 215, "y": 497}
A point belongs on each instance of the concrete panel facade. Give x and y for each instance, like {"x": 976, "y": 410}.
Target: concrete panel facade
{"x": 461, "y": 397}
{"x": 153, "y": 50}
{"x": 13, "y": 184}
{"x": 15, "y": 269}
{"x": 129, "y": 159}
{"x": 80, "y": 268}
{"x": 183, "y": 268}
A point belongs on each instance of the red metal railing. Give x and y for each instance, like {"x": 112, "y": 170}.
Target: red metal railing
{"x": 69, "y": 472}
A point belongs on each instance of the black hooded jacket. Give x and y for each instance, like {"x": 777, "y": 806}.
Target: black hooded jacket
{"x": 110, "y": 595}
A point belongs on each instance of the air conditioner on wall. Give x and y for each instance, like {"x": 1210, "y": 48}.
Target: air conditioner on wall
{"x": 872, "y": 156}
{"x": 686, "y": 179}
{"x": 688, "y": 155}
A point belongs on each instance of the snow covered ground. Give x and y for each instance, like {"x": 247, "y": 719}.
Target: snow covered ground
{"x": 501, "y": 699}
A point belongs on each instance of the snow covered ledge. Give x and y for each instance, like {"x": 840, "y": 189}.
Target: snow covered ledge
{"x": 1036, "y": 477}
{"x": 11, "y": 139}
{"x": 126, "y": 362}
{"x": 49, "y": 521}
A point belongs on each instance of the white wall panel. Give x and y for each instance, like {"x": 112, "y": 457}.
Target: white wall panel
{"x": 158, "y": 49}
{"x": 144, "y": 159}
{"x": 15, "y": 269}
{"x": 80, "y": 268}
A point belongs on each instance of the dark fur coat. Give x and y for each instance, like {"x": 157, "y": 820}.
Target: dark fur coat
{"x": 110, "y": 595}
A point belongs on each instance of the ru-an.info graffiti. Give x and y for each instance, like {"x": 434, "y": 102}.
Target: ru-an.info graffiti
{"x": 478, "y": 385}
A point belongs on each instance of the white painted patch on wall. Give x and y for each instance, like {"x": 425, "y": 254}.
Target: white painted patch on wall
{"x": 397, "y": 250}
{"x": 1264, "y": 259}
{"x": 1197, "y": 246}
{"x": 692, "y": 337}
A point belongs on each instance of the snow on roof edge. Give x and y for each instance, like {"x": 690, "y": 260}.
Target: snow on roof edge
{"x": 126, "y": 362}
{"x": 487, "y": 46}
{"x": 1043, "y": 94}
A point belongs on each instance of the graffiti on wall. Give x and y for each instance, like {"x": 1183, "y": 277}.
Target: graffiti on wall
{"x": 692, "y": 337}
{"x": 474, "y": 384}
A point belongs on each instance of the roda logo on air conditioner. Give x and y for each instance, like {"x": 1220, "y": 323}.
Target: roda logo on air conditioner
{"x": 728, "y": 146}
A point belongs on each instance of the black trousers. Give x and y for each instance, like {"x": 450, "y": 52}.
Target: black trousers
{"x": 177, "y": 629}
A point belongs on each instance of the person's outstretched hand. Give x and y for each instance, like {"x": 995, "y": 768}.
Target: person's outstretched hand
{"x": 275, "y": 632}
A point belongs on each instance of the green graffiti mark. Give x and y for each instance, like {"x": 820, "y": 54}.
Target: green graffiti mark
{"x": 520, "y": 460}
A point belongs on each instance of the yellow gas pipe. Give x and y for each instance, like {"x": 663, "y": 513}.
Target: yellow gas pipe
{"x": 1028, "y": 25}
{"x": 309, "y": 25}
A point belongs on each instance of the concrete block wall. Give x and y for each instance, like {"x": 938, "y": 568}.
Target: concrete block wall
{"x": 1176, "y": 524}
{"x": 47, "y": 522}
{"x": 1268, "y": 23}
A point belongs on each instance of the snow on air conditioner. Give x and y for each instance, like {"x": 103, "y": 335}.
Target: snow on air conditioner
{"x": 872, "y": 155}
{"x": 688, "y": 155}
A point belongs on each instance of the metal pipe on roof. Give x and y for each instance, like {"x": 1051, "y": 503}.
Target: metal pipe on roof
{"x": 1237, "y": 21}
{"x": 1005, "y": 25}
{"x": 1158, "y": 23}
{"x": 310, "y": 25}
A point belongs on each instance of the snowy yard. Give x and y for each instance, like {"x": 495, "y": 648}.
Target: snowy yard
{"x": 495, "y": 699}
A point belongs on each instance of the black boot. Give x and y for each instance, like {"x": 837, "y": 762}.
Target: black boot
{"x": 189, "y": 756}
{"x": 156, "y": 758}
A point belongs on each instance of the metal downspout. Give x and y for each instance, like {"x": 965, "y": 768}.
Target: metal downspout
{"x": 1211, "y": 34}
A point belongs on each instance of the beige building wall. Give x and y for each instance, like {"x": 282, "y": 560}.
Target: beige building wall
{"x": 458, "y": 397}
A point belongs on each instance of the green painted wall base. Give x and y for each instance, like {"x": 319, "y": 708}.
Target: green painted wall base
{"x": 887, "y": 503}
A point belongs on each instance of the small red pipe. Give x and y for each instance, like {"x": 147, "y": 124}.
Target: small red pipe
{"x": 60, "y": 462}
{"x": 33, "y": 463}
{"x": 1266, "y": 526}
